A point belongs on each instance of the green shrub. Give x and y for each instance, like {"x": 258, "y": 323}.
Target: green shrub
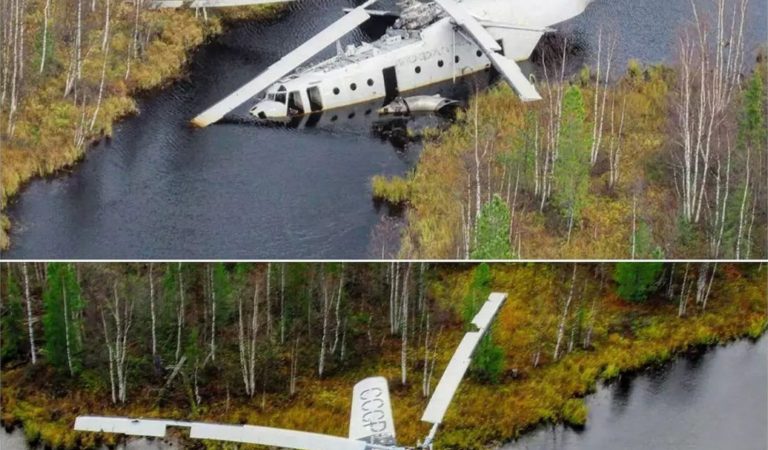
{"x": 394, "y": 190}
{"x": 575, "y": 412}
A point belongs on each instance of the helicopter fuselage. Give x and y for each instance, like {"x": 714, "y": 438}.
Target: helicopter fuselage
{"x": 401, "y": 60}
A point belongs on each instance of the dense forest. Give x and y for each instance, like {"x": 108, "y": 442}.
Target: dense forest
{"x": 283, "y": 344}
{"x": 70, "y": 68}
{"x": 637, "y": 162}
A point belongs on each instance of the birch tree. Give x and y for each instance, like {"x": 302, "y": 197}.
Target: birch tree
{"x": 248, "y": 328}
{"x": 711, "y": 61}
{"x": 564, "y": 317}
{"x": 116, "y": 332}
{"x": 326, "y": 313}
{"x": 180, "y": 312}
{"x": 30, "y": 316}
{"x": 152, "y": 314}
{"x": 599, "y": 113}
{"x": 46, "y": 15}
{"x": 404, "y": 328}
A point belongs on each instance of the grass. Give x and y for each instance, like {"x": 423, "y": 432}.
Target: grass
{"x": 395, "y": 190}
{"x": 626, "y": 338}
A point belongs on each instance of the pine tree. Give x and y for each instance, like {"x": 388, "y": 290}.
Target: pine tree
{"x": 637, "y": 280}
{"x": 62, "y": 305}
{"x": 488, "y": 360}
{"x": 571, "y": 180}
{"x": 11, "y": 320}
{"x": 492, "y": 231}
{"x": 752, "y": 130}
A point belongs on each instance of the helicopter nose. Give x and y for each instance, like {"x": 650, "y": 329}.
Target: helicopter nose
{"x": 257, "y": 111}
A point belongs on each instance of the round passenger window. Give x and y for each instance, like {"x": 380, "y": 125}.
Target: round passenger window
{"x": 370, "y": 82}
{"x": 418, "y": 69}
{"x": 440, "y": 63}
{"x": 336, "y": 91}
{"x": 353, "y": 86}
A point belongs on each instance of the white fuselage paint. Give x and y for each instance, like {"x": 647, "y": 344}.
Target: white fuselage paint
{"x": 435, "y": 53}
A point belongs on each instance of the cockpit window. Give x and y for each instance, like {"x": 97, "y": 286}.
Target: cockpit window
{"x": 270, "y": 96}
{"x": 280, "y": 97}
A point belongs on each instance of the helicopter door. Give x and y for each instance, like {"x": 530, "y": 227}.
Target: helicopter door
{"x": 315, "y": 100}
{"x": 295, "y": 106}
{"x": 390, "y": 84}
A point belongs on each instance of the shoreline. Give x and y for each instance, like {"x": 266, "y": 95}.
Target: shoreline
{"x": 16, "y": 179}
{"x": 694, "y": 349}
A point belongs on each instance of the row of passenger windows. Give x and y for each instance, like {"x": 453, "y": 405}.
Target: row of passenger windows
{"x": 352, "y": 86}
{"x": 440, "y": 63}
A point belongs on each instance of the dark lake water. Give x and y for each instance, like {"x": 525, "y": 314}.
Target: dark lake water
{"x": 160, "y": 189}
{"x": 713, "y": 401}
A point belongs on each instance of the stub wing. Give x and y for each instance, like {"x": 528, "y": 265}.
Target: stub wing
{"x": 284, "y": 66}
{"x": 371, "y": 416}
{"x": 508, "y": 69}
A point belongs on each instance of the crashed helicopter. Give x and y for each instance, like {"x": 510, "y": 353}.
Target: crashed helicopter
{"x": 428, "y": 43}
{"x": 371, "y": 424}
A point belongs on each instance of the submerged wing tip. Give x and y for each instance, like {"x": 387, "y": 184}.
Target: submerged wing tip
{"x": 200, "y": 122}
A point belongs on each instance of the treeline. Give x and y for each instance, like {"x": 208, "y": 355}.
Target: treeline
{"x": 659, "y": 162}
{"x": 257, "y": 327}
{"x": 68, "y": 69}
{"x": 252, "y": 328}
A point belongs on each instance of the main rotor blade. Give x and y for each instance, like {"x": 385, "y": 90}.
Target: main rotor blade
{"x": 275, "y": 437}
{"x": 371, "y": 415}
{"x": 157, "y": 4}
{"x": 286, "y": 64}
{"x": 508, "y": 69}
{"x": 457, "y": 366}
{"x": 125, "y": 425}
{"x": 249, "y": 434}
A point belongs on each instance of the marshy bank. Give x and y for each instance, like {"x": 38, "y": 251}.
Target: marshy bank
{"x": 563, "y": 331}
{"x": 78, "y": 70}
{"x": 712, "y": 399}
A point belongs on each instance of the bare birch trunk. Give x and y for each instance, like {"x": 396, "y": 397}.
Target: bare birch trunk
{"x": 30, "y": 317}
{"x": 153, "y": 318}
{"x": 564, "y": 317}
{"x": 269, "y": 301}
{"x": 213, "y": 318}
{"x": 180, "y": 314}
{"x": 66, "y": 331}
{"x": 294, "y": 366}
{"x": 46, "y": 14}
{"x": 683, "y": 294}
{"x": 338, "y": 311}
{"x": 740, "y": 231}
{"x": 404, "y": 328}
{"x": 282, "y": 303}
{"x": 326, "y": 308}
